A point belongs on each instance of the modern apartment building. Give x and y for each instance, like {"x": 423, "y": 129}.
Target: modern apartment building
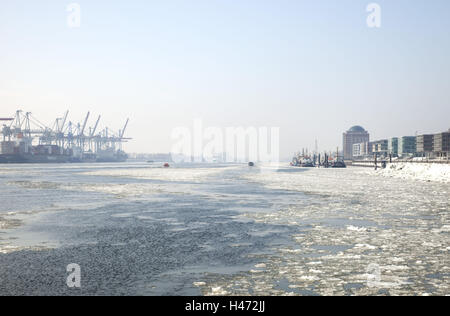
{"x": 441, "y": 144}
{"x": 407, "y": 146}
{"x": 425, "y": 144}
{"x": 361, "y": 150}
{"x": 380, "y": 147}
{"x": 393, "y": 146}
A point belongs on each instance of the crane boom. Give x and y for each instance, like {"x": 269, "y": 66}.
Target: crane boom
{"x": 64, "y": 121}
{"x": 84, "y": 124}
{"x": 95, "y": 127}
{"x": 124, "y": 128}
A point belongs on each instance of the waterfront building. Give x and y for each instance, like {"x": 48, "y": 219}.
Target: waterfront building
{"x": 358, "y": 150}
{"x": 407, "y": 146}
{"x": 380, "y": 147}
{"x": 355, "y": 135}
{"x": 362, "y": 150}
{"x": 441, "y": 144}
{"x": 393, "y": 146}
{"x": 425, "y": 144}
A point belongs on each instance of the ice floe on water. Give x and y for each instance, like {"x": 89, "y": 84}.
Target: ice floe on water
{"x": 356, "y": 229}
{"x": 118, "y": 190}
{"x": 128, "y": 190}
{"x": 348, "y": 232}
{"x": 158, "y": 173}
{"x": 358, "y": 234}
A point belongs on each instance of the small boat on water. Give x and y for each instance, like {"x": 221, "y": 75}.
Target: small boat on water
{"x": 251, "y": 164}
{"x": 338, "y": 164}
{"x": 166, "y": 165}
{"x": 302, "y": 161}
{"x": 307, "y": 164}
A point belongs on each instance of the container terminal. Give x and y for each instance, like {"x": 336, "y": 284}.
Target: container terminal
{"x": 26, "y": 140}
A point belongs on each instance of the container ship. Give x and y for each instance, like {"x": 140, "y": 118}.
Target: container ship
{"x": 26, "y": 140}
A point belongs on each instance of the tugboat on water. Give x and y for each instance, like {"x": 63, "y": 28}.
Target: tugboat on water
{"x": 307, "y": 163}
{"x": 338, "y": 164}
{"x": 302, "y": 161}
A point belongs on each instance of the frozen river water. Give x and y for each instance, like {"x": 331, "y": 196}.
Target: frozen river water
{"x": 138, "y": 229}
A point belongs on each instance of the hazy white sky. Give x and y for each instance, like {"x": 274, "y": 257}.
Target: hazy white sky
{"x": 312, "y": 68}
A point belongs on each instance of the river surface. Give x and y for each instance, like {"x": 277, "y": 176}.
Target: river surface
{"x": 139, "y": 229}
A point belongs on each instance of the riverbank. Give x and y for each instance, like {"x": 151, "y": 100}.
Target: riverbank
{"x": 417, "y": 171}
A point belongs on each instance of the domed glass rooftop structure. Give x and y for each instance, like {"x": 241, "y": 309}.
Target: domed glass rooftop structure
{"x": 357, "y": 129}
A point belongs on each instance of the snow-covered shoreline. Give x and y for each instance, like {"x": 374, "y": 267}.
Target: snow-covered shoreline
{"x": 418, "y": 171}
